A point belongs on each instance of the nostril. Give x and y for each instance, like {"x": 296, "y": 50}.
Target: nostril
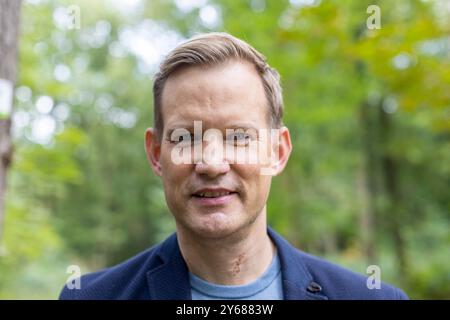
{"x": 212, "y": 169}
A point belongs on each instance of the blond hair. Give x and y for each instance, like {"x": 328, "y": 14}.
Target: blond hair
{"x": 213, "y": 49}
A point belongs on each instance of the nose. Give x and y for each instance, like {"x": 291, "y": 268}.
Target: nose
{"x": 213, "y": 162}
{"x": 212, "y": 170}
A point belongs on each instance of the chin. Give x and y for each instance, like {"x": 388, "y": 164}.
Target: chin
{"x": 216, "y": 225}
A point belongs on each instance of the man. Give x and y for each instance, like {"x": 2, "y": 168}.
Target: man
{"x": 217, "y": 140}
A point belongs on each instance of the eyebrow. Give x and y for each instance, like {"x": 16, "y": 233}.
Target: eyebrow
{"x": 234, "y": 125}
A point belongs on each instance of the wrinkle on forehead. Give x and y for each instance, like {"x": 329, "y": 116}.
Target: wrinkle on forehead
{"x": 231, "y": 91}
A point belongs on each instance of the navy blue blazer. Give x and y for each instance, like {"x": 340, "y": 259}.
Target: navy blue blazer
{"x": 160, "y": 273}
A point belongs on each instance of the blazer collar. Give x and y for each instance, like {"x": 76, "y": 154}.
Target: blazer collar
{"x": 296, "y": 278}
{"x": 170, "y": 279}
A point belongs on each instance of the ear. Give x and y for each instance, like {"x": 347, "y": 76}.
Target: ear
{"x": 281, "y": 150}
{"x": 153, "y": 150}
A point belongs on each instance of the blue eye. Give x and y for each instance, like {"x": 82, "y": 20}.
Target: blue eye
{"x": 239, "y": 138}
{"x": 184, "y": 139}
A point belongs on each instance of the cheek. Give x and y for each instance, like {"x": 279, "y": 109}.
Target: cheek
{"x": 256, "y": 185}
{"x": 168, "y": 167}
{"x": 263, "y": 186}
{"x": 174, "y": 175}
{"x": 173, "y": 183}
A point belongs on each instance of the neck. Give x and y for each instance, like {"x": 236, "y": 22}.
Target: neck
{"x": 237, "y": 259}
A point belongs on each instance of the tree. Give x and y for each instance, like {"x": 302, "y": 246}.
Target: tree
{"x": 367, "y": 182}
{"x": 9, "y": 34}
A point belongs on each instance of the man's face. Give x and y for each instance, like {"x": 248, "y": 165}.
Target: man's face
{"x": 218, "y": 197}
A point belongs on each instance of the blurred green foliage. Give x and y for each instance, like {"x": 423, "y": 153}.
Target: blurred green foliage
{"x": 368, "y": 112}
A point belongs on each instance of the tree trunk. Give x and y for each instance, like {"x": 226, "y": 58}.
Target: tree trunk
{"x": 367, "y": 183}
{"x": 9, "y": 34}
{"x": 393, "y": 193}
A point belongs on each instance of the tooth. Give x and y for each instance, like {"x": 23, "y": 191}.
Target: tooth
{"x": 213, "y": 194}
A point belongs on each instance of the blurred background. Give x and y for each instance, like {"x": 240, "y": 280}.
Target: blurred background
{"x": 368, "y": 110}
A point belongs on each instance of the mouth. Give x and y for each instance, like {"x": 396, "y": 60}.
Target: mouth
{"x": 211, "y": 196}
{"x": 212, "y": 193}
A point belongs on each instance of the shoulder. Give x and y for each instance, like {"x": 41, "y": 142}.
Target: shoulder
{"x": 312, "y": 277}
{"x": 340, "y": 283}
{"x": 123, "y": 281}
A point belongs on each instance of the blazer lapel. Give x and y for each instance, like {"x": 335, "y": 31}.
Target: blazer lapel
{"x": 169, "y": 280}
{"x": 296, "y": 277}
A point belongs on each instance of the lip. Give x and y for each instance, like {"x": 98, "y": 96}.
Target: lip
{"x": 214, "y": 201}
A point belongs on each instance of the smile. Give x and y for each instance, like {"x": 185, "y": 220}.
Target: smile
{"x": 213, "y": 196}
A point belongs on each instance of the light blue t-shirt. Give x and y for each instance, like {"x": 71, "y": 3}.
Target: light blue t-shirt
{"x": 266, "y": 287}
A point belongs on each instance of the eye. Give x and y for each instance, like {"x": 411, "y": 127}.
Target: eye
{"x": 239, "y": 138}
{"x": 184, "y": 139}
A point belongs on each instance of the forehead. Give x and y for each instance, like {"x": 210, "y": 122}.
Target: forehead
{"x": 218, "y": 95}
